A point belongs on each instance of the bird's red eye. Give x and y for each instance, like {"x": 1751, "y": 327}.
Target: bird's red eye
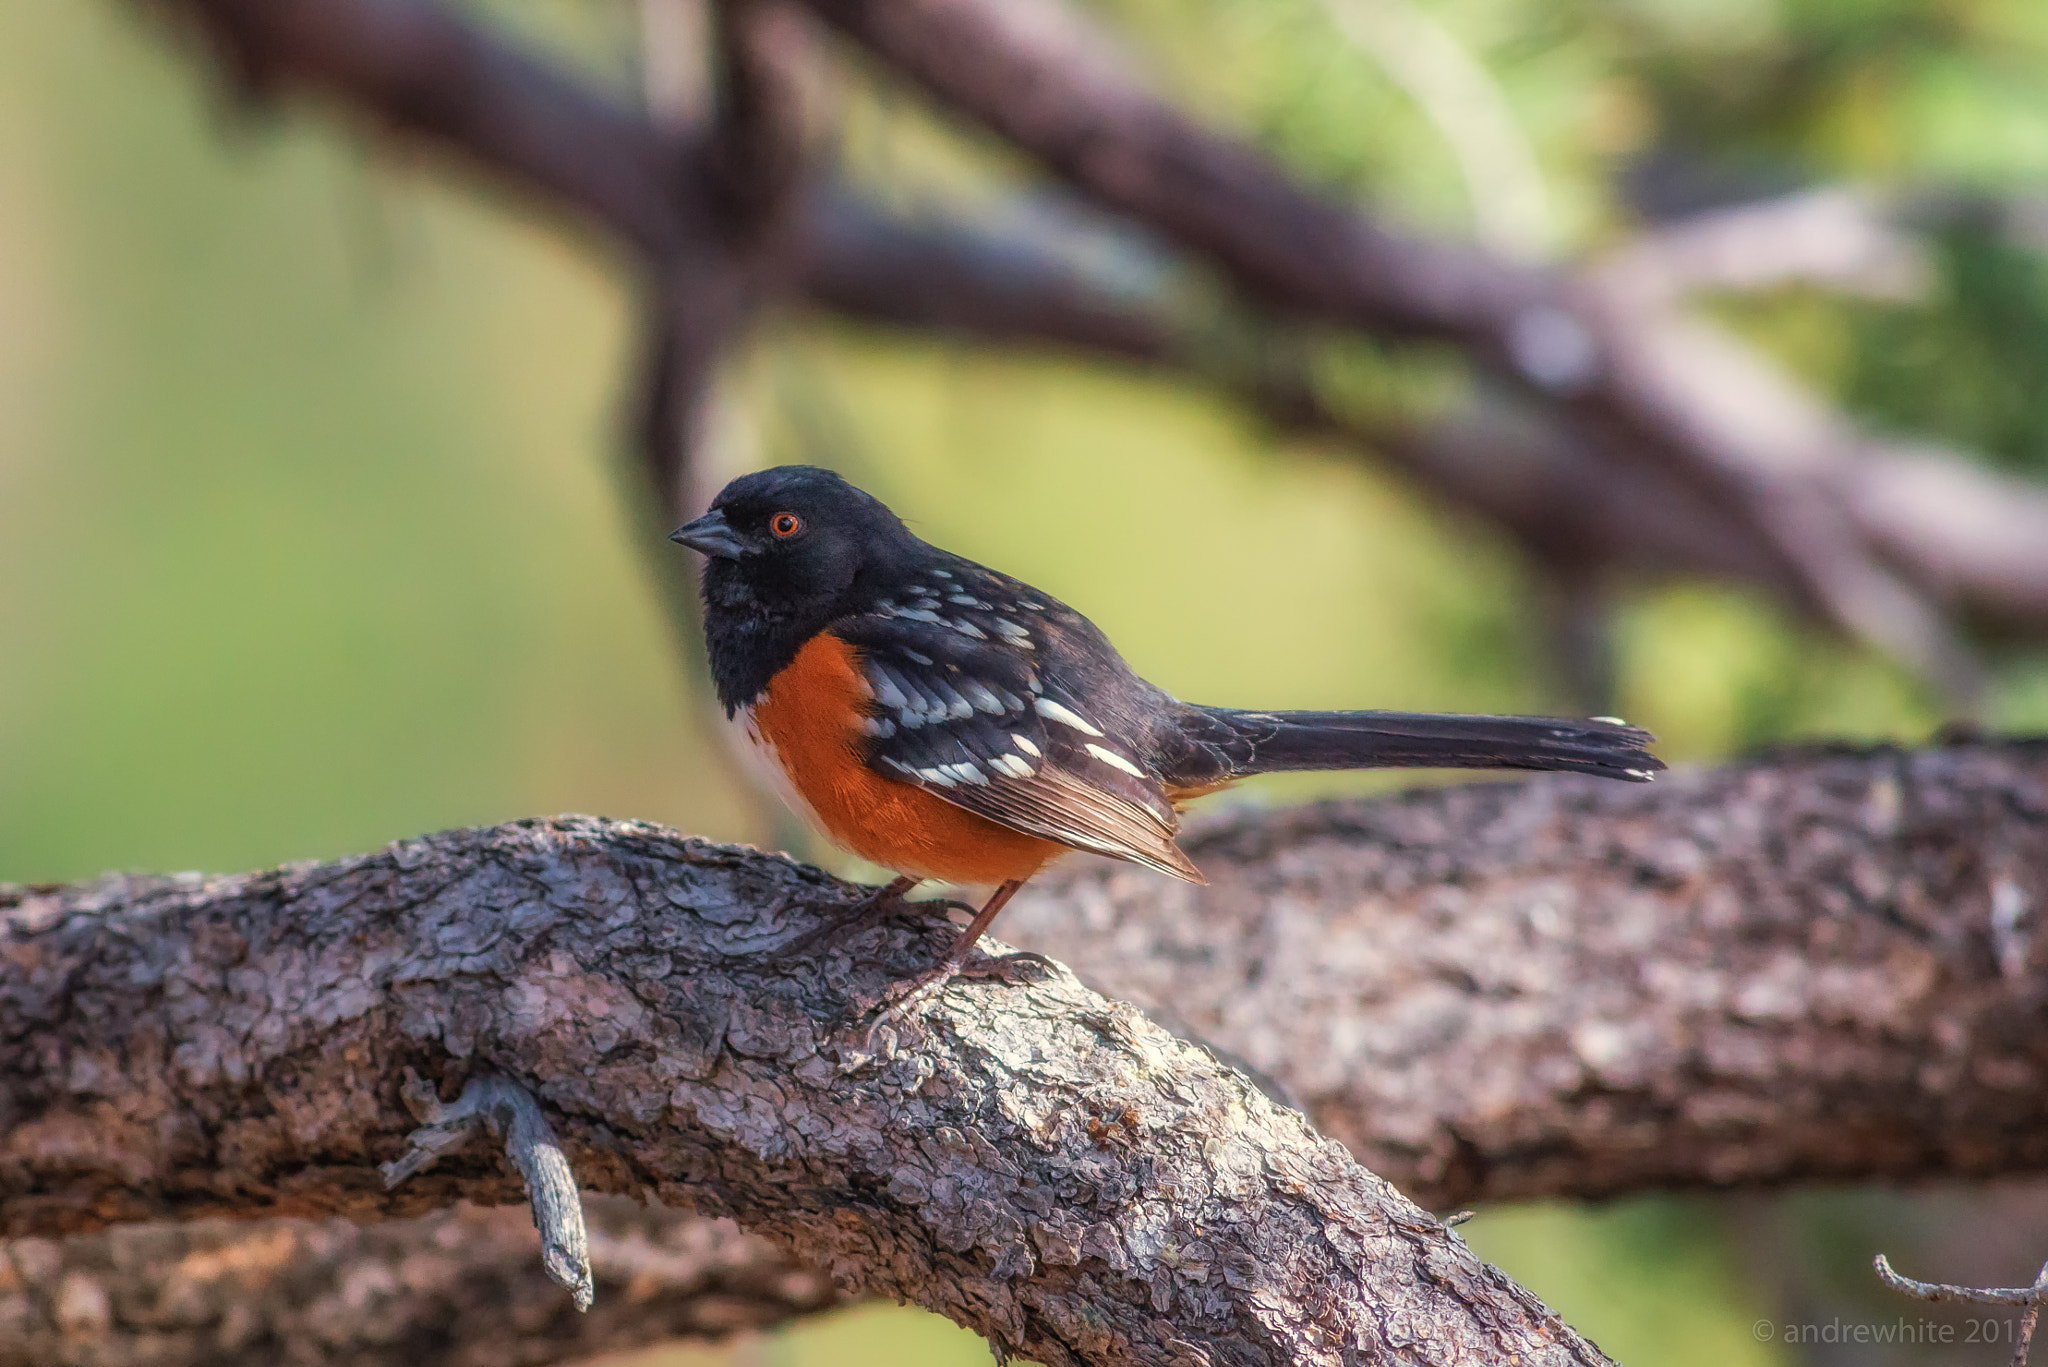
{"x": 785, "y": 525}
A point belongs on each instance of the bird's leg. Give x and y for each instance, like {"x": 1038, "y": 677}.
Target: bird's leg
{"x": 879, "y": 907}
{"x": 960, "y": 958}
{"x": 930, "y": 983}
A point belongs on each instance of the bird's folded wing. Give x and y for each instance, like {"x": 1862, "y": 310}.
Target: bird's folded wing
{"x": 962, "y": 710}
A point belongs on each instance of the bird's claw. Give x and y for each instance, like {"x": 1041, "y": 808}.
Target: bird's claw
{"x": 1018, "y": 966}
{"x": 878, "y": 908}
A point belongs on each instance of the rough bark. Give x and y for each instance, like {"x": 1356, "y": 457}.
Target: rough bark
{"x": 1040, "y": 1164}
{"x": 1820, "y": 965}
{"x": 1815, "y": 965}
{"x": 458, "y": 1288}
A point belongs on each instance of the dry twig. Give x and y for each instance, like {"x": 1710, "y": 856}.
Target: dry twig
{"x": 2027, "y": 1296}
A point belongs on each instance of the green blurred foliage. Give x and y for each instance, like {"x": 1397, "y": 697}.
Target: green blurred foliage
{"x": 1970, "y": 364}
{"x": 309, "y": 537}
{"x": 1651, "y": 1281}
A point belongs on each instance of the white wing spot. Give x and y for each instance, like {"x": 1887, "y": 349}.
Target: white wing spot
{"x": 967, "y": 628}
{"x": 982, "y": 698}
{"x": 942, "y": 574}
{"x": 1052, "y": 711}
{"x": 966, "y": 773}
{"x": 936, "y": 776}
{"x": 1114, "y": 760}
{"x": 1011, "y": 765}
{"x": 878, "y": 726}
{"x": 1024, "y": 744}
{"x": 917, "y": 655}
{"x": 889, "y": 695}
{"x": 954, "y": 705}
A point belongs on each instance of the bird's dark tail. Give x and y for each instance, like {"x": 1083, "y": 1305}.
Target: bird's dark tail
{"x": 1227, "y": 744}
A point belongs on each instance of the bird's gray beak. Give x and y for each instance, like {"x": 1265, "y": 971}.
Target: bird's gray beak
{"x": 710, "y": 534}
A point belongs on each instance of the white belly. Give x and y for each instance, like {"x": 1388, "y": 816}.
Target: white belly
{"x": 764, "y": 762}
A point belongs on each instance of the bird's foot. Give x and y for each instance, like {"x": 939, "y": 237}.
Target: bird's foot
{"x": 880, "y": 907}
{"x": 1017, "y": 967}
{"x": 901, "y": 998}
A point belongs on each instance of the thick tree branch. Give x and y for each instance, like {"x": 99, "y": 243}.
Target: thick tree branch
{"x": 1816, "y": 965}
{"x": 1040, "y": 1164}
{"x": 1824, "y": 964}
{"x": 458, "y": 1288}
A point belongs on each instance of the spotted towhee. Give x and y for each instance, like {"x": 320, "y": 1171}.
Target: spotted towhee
{"x": 949, "y": 722}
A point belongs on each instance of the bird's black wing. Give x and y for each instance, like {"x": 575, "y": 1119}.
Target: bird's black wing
{"x": 969, "y": 705}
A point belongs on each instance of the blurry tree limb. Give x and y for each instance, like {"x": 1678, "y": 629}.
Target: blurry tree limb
{"x": 1042, "y": 1165}
{"x": 750, "y": 172}
{"x": 1556, "y": 496}
{"x": 675, "y": 48}
{"x": 1775, "y": 481}
{"x": 1832, "y": 238}
{"x": 1655, "y": 384}
{"x": 458, "y": 1288}
{"x": 1980, "y": 541}
{"x": 1816, "y": 965}
{"x": 427, "y": 71}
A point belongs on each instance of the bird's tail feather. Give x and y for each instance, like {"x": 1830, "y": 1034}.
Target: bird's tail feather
{"x": 1272, "y": 742}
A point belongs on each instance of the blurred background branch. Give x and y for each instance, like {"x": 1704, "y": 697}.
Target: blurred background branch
{"x": 457, "y": 1287}
{"x": 1680, "y": 448}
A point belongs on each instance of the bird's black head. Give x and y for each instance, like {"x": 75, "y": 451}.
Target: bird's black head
{"x": 787, "y": 551}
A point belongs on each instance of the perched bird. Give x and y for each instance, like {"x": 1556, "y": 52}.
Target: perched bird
{"x": 949, "y": 722}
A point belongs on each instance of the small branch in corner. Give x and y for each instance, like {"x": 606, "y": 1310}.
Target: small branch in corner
{"x": 2029, "y": 1297}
